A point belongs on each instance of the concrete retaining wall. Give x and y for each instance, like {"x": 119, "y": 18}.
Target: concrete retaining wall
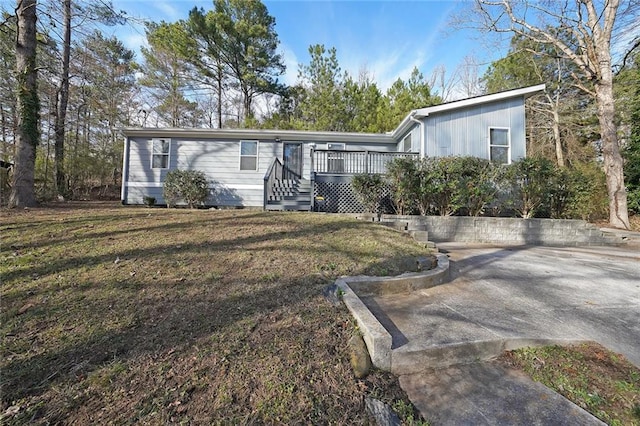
{"x": 500, "y": 230}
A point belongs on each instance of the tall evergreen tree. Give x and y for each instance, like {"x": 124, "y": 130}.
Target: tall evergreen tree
{"x": 323, "y": 82}
{"x": 236, "y": 45}
{"x": 106, "y": 82}
{"x": 404, "y": 96}
{"x": 165, "y": 73}
{"x": 250, "y": 41}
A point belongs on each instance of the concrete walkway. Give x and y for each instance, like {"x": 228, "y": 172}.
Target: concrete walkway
{"x": 503, "y": 298}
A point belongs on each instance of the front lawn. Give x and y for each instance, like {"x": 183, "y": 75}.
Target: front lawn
{"x": 139, "y": 315}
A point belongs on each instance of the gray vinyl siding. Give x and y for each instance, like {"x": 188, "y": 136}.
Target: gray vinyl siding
{"x": 466, "y": 131}
{"x": 415, "y": 140}
{"x": 220, "y": 161}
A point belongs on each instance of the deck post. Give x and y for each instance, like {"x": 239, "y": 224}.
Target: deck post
{"x": 367, "y": 158}
{"x": 312, "y": 177}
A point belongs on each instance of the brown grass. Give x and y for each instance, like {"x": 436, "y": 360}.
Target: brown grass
{"x": 134, "y": 315}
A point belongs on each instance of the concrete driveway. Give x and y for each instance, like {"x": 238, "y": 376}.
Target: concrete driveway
{"x": 559, "y": 293}
{"x": 508, "y": 297}
{"x": 516, "y": 294}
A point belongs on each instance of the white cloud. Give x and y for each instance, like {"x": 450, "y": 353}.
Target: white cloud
{"x": 168, "y": 10}
{"x": 291, "y": 62}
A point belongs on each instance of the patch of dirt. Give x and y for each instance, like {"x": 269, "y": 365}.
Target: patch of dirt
{"x": 592, "y": 377}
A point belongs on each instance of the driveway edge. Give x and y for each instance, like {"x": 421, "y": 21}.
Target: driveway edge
{"x": 375, "y": 336}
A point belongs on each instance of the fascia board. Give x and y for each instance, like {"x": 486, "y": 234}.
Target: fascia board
{"x": 525, "y": 91}
{"x": 292, "y": 135}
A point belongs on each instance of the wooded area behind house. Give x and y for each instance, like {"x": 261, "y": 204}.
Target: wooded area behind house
{"x": 220, "y": 68}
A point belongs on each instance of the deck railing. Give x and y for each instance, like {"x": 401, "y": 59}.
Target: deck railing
{"x": 354, "y": 162}
{"x": 273, "y": 174}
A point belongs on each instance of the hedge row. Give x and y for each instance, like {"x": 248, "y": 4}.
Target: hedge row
{"x": 470, "y": 186}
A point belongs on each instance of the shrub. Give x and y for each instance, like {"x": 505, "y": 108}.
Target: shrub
{"x": 440, "y": 179}
{"x": 190, "y": 186}
{"x": 404, "y": 179}
{"x": 589, "y": 199}
{"x": 370, "y": 190}
{"x": 530, "y": 184}
{"x": 149, "y": 201}
{"x": 476, "y": 185}
{"x": 444, "y": 185}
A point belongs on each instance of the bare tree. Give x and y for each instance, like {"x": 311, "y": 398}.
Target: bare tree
{"x": 469, "y": 80}
{"x": 62, "y": 97}
{"x": 28, "y": 105}
{"x": 443, "y": 85}
{"x": 590, "y": 24}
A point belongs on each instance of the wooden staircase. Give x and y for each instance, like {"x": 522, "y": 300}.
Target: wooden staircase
{"x": 289, "y": 194}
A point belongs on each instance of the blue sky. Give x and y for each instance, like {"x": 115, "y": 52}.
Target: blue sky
{"x": 387, "y": 38}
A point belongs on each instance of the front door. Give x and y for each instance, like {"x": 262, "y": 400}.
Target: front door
{"x": 292, "y": 160}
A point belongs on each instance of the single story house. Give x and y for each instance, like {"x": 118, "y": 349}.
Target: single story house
{"x": 292, "y": 170}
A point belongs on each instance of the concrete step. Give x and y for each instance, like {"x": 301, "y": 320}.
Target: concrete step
{"x": 292, "y": 205}
{"x": 420, "y": 236}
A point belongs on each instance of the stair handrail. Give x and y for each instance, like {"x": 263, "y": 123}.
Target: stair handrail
{"x": 274, "y": 172}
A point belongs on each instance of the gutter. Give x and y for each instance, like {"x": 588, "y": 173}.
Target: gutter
{"x": 125, "y": 174}
{"x": 423, "y": 145}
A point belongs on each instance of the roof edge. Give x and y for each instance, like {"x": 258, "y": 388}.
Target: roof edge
{"x": 507, "y": 94}
{"x": 292, "y": 135}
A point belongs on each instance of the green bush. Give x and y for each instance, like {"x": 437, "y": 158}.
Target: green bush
{"x": 531, "y": 187}
{"x": 403, "y": 176}
{"x": 631, "y": 155}
{"x": 589, "y": 199}
{"x": 476, "y": 185}
{"x": 530, "y": 182}
{"x": 370, "y": 190}
{"x": 189, "y": 186}
{"x": 633, "y": 200}
{"x": 440, "y": 178}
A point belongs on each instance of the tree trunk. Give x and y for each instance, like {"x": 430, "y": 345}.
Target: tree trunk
{"x": 219, "y": 94}
{"x": 63, "y": 100}
{"x": 556, "y": 136}
{"x": 28, "y": 106}
{"x": 613, "y": 163}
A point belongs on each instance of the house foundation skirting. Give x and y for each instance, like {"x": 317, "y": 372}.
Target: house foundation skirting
{"x": 335, "y": 194}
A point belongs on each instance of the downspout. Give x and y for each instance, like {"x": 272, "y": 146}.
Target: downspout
{"x": 423, "y": 147}
{"x": 125, "y": 174}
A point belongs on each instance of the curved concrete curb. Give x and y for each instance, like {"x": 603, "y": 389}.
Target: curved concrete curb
{"x": 376, "y": 337}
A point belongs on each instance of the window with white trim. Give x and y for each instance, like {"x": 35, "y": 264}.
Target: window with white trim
{"x": 499, "y": 145}
{"x": 407, "y": 143}
{"x": 160, "y": 153}
{"x": 249, "y": 155}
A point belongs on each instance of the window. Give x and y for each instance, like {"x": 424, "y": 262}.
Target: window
{"x": 335, "y": 160}
{"x": 249, "y": 155}
{"x": 499, "y": 145}
{"x": 406, "y": 143}
{"x": 160, "y": 153}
